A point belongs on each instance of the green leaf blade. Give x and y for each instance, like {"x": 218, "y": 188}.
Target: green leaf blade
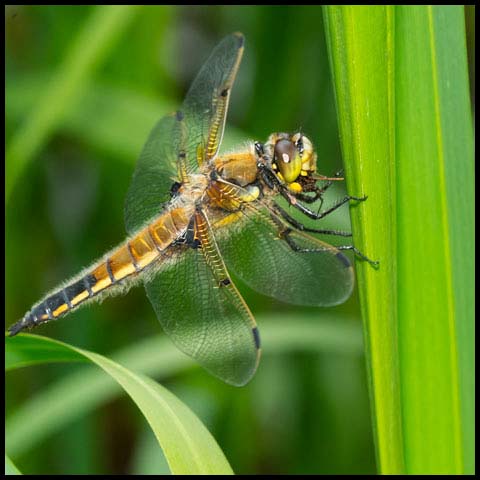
{"x": 188, "y": 446}
{"x": 361, "y": 47}
{"x": 435, "y": 183}
{"x": 75, "y": 395}
{"x": 401, "y": 72}
{"x": 10, "y": 468}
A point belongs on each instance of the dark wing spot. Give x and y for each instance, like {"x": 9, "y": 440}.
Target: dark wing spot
{"x": 175, "y": 188}
{"x": 224, "y": 92}
{"x": 344, "y": 259}
{"x": 256, "y": 337}
{"x": 240, "y": 39}
{"x": 225, "y": 282}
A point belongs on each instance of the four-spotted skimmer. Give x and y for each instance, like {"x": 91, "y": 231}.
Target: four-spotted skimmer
{"x": 192, "y": 214}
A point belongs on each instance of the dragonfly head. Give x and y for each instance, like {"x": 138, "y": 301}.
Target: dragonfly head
{"x": 292, "y": 156}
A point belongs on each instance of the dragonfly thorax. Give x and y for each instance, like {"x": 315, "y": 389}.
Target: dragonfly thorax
{"x": 239, "y": 167}
{"x": 191, "y": 190}
{"x": 195, "y": 184}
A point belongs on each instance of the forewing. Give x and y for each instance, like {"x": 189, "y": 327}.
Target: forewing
{"x": 181, "y": 141}
{"x": 205, "y": 106}
{"x": 205, "y": 318}
{"x": 155, "y": 172}
{"x": 255, "y": 248}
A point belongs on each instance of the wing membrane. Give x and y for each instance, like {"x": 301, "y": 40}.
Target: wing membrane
{"x": 155, "y": 172}
{"x": 181, "y": 141}
{"x": 205, "y": 316}
{"x": 254, "y": 249}
{"x": 206, "y": 103}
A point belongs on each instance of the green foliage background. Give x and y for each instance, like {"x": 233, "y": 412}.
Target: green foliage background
{"x": 307, "y": 409}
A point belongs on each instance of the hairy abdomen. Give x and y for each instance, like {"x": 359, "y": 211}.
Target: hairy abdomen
{"x": 116, "y": 271}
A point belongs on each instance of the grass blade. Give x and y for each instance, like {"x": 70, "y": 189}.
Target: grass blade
{"x": 436, "y": 236}
{"x": 10, "y": 468}
{"x": 401, "y": 82}
{"x": 188, "y": 446}
{"x": 75, "y": 395}
{"x": 360, "y": 41}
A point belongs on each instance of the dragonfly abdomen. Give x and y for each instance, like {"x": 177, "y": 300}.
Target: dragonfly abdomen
{"x": 115, "y": 272}
{"x": 105, "y": 275}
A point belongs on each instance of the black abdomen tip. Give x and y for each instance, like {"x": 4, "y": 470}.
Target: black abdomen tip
{"x": 14, "y": 329}
{"x": 25, "y": 322}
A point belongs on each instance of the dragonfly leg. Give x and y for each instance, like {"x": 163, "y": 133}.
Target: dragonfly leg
{"x": 296, "y": 248}
{"x": 273, "y": 182}
{"x": 318, "y": 215}
{"x": 319, "y": 191}
{"x": 303, "y": 228}
{"x": 358, "y": 253}
{"x": 303, "y": 197}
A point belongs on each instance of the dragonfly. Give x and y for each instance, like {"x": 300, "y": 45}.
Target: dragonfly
{"x": 194, "y": 215}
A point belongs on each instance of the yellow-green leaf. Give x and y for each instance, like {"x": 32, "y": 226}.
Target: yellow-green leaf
{"x": 188, "y": 446}
{"x": 401, "y": 81}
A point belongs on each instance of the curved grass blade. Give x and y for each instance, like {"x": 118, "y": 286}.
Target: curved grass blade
{"x": 25, "y": 353}
{"x": 188, "y": 446}
{"x": 82, "y": 391}
{"x": 10, "y": 468}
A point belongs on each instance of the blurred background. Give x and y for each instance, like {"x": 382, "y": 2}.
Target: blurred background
{"x": 307, "y": 409}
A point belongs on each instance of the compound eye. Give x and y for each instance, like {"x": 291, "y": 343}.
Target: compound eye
{"x": 288, "y": 160}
